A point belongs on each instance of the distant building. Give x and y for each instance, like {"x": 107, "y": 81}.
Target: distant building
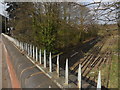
{"x": 2, "y": 24}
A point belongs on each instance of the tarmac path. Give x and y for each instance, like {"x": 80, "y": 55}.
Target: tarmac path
{"x": 43, "y": 81}
{"x": 4, "y": 75}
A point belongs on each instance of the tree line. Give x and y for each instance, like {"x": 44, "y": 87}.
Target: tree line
{"x": 51, "y": 26}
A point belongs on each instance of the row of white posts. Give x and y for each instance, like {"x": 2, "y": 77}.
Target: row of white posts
{"x": 33, "y": 52}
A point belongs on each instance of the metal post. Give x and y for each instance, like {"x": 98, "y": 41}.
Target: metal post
{"x": 79, "y": 77}
{"x": 40, "y": 57}
{"x": 58, "y": 71}
{"x": 66, "y": 72}
{"x": 44, "y": 58}
{"x": 33, "y": 53}
{"x": 50, "y": 63}
{"x": 99, "y": 82}
{"x": 36, "y": 54}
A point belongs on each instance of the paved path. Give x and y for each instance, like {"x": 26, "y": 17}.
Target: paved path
{"x": 0, "y": 64}
{"x": 4, "y": 75}
{"x": 36, "y": 77}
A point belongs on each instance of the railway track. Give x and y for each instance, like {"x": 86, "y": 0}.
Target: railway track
{"x": 93, "y": 60}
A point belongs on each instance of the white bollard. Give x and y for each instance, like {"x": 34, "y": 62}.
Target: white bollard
{"x": 28, "y": 49}
{"x": 44, "y": 58}
{"x": 19, "y": 44}
{"x": 31, "y": 50}
{"x": 79, "y": 77}
{"x": 33, "y": 53}
{"x": 99, "y": 82}
{"x": 40, "y": 57}
{"x": 50, "y": 63}
{"x": 49, "y": 86}
{"x": 36, "y": 54}
{"x": 66, "y": 72}
{"x": 15, "y": 42}
{"x": 58, "y": 71}
{"x": 22, "y": 46}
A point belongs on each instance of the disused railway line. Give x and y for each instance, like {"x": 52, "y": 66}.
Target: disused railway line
{"x": 93, "y": 59}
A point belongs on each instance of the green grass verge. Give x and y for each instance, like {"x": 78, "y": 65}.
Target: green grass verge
{"x": 113, "y": 83}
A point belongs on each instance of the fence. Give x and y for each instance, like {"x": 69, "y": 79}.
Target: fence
{"x": 35, "y": 55}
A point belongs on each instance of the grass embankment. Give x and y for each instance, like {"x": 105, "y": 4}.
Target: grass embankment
{"x": 113, "y": 83}
{"x": 109, "y": 70}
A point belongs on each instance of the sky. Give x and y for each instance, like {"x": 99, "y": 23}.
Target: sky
{"x": 2, "y": 6}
